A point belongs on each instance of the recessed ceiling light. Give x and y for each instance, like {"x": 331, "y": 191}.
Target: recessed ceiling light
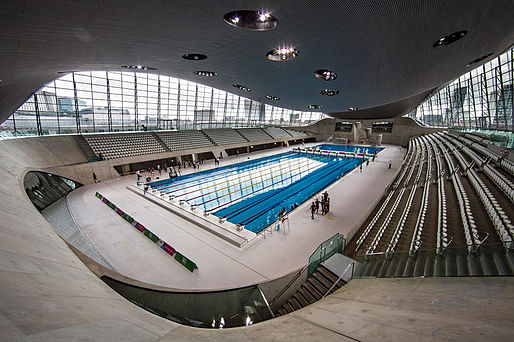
{"x": 272, "y": 98}
{"x": 315, "y": 106}
{"x": 138, "y": 67}
{"x": 329, "y": 92}
{"x": 242, "y": 87}
{"x": 352, "y": 109}
{"x": 194, "y": 56}
{"x": 282, "y": 54}
{"x": 251, "y": 20}
{"x": 451, "y": 38}
{"x": 479, "y": 59}
{"x": 326, "y": 75}
{"x": 205, "y": 73}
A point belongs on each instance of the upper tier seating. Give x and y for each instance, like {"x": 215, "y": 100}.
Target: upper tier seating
{"x": 254, "y": 134}
{"x": 113, "y": 146}
{"x": 296, "y": 134}
{"x": 225, "y": 136}
{"x": 277, "y": 132}
{"x": 184, "y": 140}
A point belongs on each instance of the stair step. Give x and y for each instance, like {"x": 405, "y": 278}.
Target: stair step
{"x": 331, "y": 276}
{"x": 316, "y": 285}
{"x": 429, "y": 267}
{"x": 324, "y": 282}
{"x": 312, "y": 290}
{"x": 474, "y": 265}
{"x": 462, "y": 266}
{"x": 281, "y": 312}
{"x": 288, "y": 307}
{"x": 487, "y": 265}
{"x": 295, "y": 304}
{"x": 419, "y": 266}
{"x": 383, "y": 268}
{"x": 439, "y": 268}
{"x": 307, "y": 295}
{"x": 400, "y": 268}
{"x": 501, "y": 264}
{"x": 451, "y": 266}
{"x": 409, "y": 267}
{"x": 301, "y": 300}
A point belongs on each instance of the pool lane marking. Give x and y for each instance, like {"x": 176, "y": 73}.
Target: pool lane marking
{"x": 253, "y": 217}
{"x": 249, "y": 173}
{"x": 249, "y": 176}
{"x": 238, "y": 190}
{"x": 194, "y": 177}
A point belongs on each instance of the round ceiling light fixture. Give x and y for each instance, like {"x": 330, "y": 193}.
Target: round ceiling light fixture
{"x": 242, "y": 87}
{"x": 329, "y": 92}
{"x": 479, "y": 59}
{"x": 325, "y": 75}
{"x": 138, "y": 67}
{"x": 315, "y": 106}
{"x": 352, "y": 109}
{"x": 272, "y": 98}
{"x": 194, "y": 56}
{"x": 449, "y": 39}
{"x": 282, "y": 54}
{"x": 251, "y": 20}
{"x": 205, "y": 73}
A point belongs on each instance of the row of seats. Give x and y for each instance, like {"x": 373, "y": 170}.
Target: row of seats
{"x": 112, "y": 146}
{"x": 442, "y": 217}
{"x": 295, "y": 134}
{"x": 184, "y": 140}
{"x": 277, "y": 133}
{"x": 420, "y": 222}
{"x": 468, "y": 222}
{"x": 225, "y": 136}
{"x": 254, "y": 134}
{"x": 407, "y": 166}
{"x": 499, "y": 179}
{"x": 376, "y": 240}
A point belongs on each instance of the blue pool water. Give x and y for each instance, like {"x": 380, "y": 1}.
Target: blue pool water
{"x": 253, "y": 192}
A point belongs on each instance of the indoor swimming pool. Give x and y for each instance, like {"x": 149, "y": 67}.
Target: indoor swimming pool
{"x": 252, "y": 193}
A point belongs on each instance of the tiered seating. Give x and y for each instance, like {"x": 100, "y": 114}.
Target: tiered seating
{"x": 442, "y": 217}
{"x": 225, "y": 136}
{"x": 184, "y": 140}
{"x": 296, "y": 134}
{"x": 502, "y": 224}
{"x": 420, "y": 221}
{"x": 364, "y": 235}
{"x": 499, "y": 179}
{"x": 376, "y": 240}
{"x": 470, "y": 228}
{"x": 254, "y": 134}
{"x": 113, "y": 146}
{"x": 277, "y": 133}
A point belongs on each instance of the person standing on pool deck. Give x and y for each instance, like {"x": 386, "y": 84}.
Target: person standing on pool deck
{"x": 317, "y": 205}
{"x": 313, "y": 210}
{"x": 389, "y": 167}
{"x": 94, "y": 178}
{"x": 138, "y": 174}
{"x": 360, "y": 167}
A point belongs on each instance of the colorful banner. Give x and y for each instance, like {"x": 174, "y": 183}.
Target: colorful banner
{"x": 190, "y": 265}
{"x": 185, "y": 262}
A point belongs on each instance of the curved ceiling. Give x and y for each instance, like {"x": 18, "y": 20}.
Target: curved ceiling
{"x": 382, "y": 51}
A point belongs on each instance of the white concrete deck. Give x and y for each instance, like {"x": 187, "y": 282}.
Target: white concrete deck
{"x": 221, "y": 264}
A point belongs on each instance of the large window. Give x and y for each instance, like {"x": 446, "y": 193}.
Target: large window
{"x": 101, "y": 101}
{"x": 482, "y": 99}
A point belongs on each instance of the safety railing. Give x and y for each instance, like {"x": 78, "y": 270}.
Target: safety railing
{"x": 325, "y": 250}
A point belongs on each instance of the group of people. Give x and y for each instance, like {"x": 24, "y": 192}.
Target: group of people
{"x": 324, "y": 204}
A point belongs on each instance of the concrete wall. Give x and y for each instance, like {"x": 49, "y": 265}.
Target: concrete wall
{"x": 403, "y": 129}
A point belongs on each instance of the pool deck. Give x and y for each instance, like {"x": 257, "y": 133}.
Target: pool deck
{"x": 222, "y": 265}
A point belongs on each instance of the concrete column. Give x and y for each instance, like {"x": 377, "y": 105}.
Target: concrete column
{"x": 179, "y": 159}
{"x": 356, "y": 132}
{"x": 195, "y": 157}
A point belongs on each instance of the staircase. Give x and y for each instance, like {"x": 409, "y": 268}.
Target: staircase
{"x": 487, "y": 261}
{"x": 314, "y": 288}
{"x": 159, "y": 140}
{"x": 85, "y": 148}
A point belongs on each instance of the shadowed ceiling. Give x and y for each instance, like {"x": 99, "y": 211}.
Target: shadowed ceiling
{"x": 381, "y": 50}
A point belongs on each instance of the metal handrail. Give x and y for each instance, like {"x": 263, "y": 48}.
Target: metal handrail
{"x": 340, "y": 277}
{"x": 288, "y": 285}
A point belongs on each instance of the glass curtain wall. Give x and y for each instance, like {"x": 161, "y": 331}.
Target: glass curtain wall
{"x": 481, "y": 99}
{"x": 111, "y": 101}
